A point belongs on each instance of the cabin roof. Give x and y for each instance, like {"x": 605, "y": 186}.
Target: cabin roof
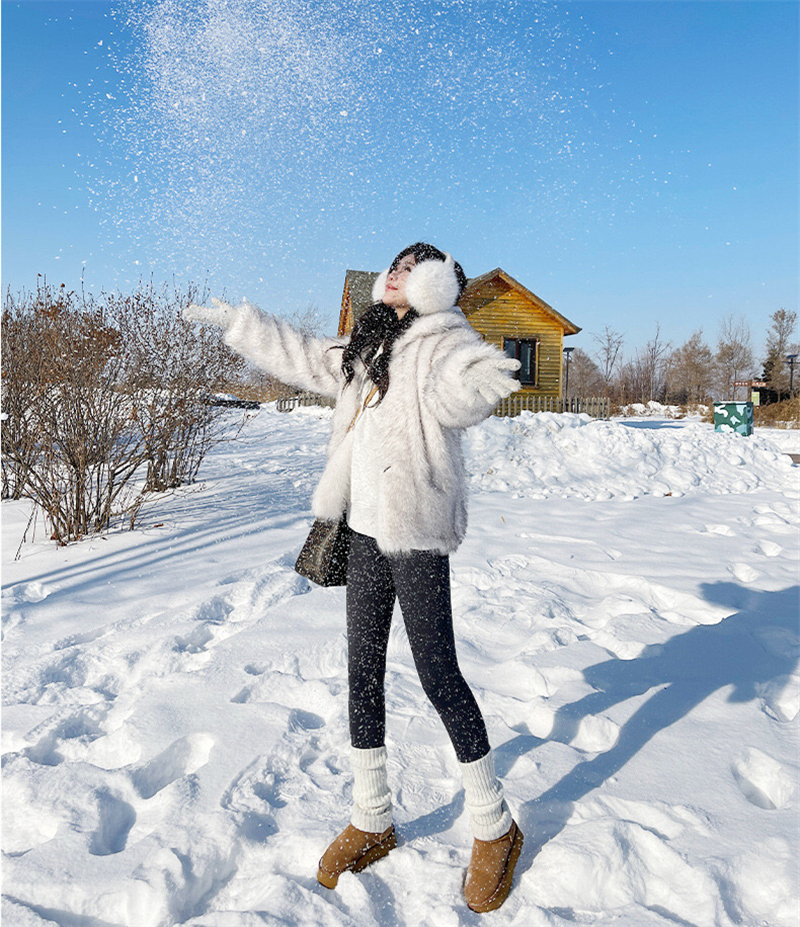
{"x": 478, "y": 291}
{"x": 487, "y": 285}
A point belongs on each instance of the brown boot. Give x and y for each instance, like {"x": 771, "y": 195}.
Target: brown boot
{"x": 352, "y": 851}
{"x": 491, "y": 870}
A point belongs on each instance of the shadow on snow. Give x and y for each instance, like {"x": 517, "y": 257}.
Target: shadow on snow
{"x": 749, "y": 649}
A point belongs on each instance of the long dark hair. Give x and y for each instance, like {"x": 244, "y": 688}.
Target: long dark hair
{"x": 380, "y": 327}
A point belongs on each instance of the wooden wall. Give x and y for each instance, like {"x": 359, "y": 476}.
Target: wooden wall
{"x": 511, "y": 314}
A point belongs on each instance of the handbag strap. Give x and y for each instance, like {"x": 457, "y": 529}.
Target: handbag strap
{"x": 363, "y": 406}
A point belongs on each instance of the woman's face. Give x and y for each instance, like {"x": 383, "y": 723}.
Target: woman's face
{"x": 395, "y": 295}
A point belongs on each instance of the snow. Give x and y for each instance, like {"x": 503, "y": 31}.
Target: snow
{"x": 175, "y": 724}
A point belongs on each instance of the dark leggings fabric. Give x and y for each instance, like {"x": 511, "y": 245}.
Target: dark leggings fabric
{"x": 421, "y": 582}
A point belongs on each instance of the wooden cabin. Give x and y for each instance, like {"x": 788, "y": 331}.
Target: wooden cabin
{"x": 504, "y": 312}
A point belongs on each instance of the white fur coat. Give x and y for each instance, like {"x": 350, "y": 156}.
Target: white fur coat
{"x": 422, "y": 500}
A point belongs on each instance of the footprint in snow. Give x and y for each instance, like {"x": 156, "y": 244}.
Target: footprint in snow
{"x": 254, "y": 796}
{"x": 31, "y": 592}
{"x": 116, "y": 820}
{"x": 743, "y": 572}
{"x": 762, "y": 780}
{"x": 182, "y": 758}
{"x": 769, "y": 548}
{"x": 246, "y": 599}
{"x": 196, "y": 641}
{"x": 118, "y": 808}
{"x": 74, "y": 640}
{"x": 722, "y": 530}
{"x": 67, "y": 735}
{"x": 250, "y": 595}
{"x": 304, "y": 721}
{"x": 243, "y": 696}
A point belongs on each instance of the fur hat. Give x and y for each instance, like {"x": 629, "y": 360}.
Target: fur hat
{"x": 432, "y": 286}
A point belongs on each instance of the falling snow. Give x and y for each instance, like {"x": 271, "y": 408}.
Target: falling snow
{"x": 244, "y": 120}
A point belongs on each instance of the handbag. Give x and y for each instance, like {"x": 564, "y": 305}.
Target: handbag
{"x": 323, "y": 558}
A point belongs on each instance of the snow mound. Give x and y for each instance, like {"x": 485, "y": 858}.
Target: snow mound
{"x": 544, "y": 454}
{"x": 623, "y": 865}
{"x": 658, "y": 409}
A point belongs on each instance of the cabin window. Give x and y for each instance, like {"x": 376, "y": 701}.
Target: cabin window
{"x": 526, "y": 352}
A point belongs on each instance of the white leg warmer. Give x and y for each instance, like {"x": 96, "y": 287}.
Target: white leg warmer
{"x": 372, "y": 800}
{"x": 484, "y": 799}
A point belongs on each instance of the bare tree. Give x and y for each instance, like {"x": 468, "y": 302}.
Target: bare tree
{"x": 642, "y": 379}
{"x": 690, "y": 371}
{"x": 734, "y": 359}
{"x": 608, "y": 354}
{"x": 308, "y": 320}
{"x": 585, "y": 377}
{"x": 652, "y": 359}
{"x": 779, "y": 343}
{"x": 172, "y": 370}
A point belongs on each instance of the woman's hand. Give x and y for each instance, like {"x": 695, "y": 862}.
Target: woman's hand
{"x": 220, "y": 314}
{"x": 492, "y": 378}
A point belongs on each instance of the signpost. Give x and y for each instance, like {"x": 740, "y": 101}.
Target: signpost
{"x": 750, "y": 386}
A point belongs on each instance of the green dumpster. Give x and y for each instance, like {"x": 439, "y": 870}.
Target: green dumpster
{"x": 734, "y": 416}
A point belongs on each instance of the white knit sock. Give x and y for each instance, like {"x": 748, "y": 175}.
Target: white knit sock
{"x": 372, "y": 800}
{"x": 484, "y": 799}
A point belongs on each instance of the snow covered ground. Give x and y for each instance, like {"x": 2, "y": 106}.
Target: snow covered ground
{"x": 174, "y": 731}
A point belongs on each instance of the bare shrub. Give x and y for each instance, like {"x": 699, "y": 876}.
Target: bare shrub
{"x": 784, "y": 414}
{"x": 171, "y": 370}
{"x": 68, "y": 437}
{"x": 104, "y": 401}
{"x": 19, "y": 434}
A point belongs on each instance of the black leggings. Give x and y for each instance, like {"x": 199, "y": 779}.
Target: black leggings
{"x": 421, "y": 581}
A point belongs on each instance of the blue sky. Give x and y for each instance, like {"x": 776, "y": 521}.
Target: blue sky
{"x": 632, "y": 162}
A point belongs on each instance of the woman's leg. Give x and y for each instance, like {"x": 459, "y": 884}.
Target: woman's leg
{"x": 422, "y": 580}
{"x": 370, "y": 602}
{"x": 370, "y": 834}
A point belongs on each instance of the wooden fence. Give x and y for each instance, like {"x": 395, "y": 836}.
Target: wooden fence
{"x": 287, "y": 403}
{"x": 597, "y": 407}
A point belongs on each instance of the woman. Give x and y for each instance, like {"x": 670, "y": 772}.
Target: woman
{"x": 407, "y": 382}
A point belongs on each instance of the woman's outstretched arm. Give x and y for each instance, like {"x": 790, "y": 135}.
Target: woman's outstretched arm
{"x": 276, "y": 347}
{"x": 467, "y": 379}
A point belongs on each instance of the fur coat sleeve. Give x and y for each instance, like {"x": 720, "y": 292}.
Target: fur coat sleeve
{"x": 448, "y": 392}
{"x": 303, "y": 361}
